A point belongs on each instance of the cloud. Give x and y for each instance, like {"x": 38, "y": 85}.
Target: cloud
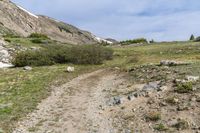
{"x": 157, "y": 19}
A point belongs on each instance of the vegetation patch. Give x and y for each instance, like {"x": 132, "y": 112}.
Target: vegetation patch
{"x": 139, "y": 40}
{"x": 153, "y": 116}
{"x": 49, "y": 55}
{"x": 160, "y": 127}
{"x": 186, "y": 87}
{"x": 38, "y": 35}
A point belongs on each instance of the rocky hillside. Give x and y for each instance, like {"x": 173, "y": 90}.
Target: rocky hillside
{"x": 16, "y": 20}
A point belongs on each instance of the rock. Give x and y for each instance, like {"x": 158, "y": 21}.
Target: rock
{"x": 192, "y": 78}
{"x": 70, "y": 69}
{"x": 117, "y": 100}
{"x": 163, "y": 104}
{"x": 28, "y": 68}
{"x": 117, "y": 68}
{"x": 182, "y": 107}
{"x": 181, "y": 124}
{"x": 151, "y": 86}
{"x": 114, "y": 101}
{"x": 172, "y": 63}
{"x": 131, "y": 97}
{"x": 198, "y": 99}
{"x": 163, "y": 88}
{"x": 167, "y": 63}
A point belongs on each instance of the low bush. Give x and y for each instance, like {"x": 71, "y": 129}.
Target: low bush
{"x": 153, "y": 116}
{"x": 50, "y": 54}
{"x": 172, "y": 100}
{"x": 32, "y": 58}
{"x": 160, "y": 127}
{"x": 38, "y": 35}
{"x": 139, "y": 40}
{"x": 184, "y": 87}
{"x": 36, "y": 40}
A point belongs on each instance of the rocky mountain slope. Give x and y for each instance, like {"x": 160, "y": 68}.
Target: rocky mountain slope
{"x": 17, "y": 20}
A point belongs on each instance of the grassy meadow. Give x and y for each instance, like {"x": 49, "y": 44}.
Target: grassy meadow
{"x": 21, "y": 91}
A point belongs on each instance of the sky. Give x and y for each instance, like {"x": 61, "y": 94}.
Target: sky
{"x": 161, "y": 20}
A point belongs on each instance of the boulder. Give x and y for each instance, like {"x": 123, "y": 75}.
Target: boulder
{"x": 70, "y": 69}
{"x": 28, "y": 68}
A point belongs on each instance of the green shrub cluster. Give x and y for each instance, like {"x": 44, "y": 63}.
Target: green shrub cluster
{"x": 139, "y": 40}
{"x": 51, "y": 54}
{"x": 38, "y": 35}
{"x": 184, "y": 87}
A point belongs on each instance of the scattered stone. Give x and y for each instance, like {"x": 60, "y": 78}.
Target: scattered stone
{"x": 28, "y": 68}
{"x": 198, "y": 99}
{"x": 182, "y": 107}
{"x": 70, "y": 69}
{"x": 131, "y": 97}
{"x": 163, "y": 104}
{"x": 181, "y": 124}
{"x": 171, "y": 63}
{"x": 167, "y": 63}
{"x": 117, "y": 68}
{"x": 151, "y": 86}
{"x": 192, "y": 78}
{"x": 114, "y": 101}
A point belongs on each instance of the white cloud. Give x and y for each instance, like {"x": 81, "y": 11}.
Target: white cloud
{"x": 158, "y": 19}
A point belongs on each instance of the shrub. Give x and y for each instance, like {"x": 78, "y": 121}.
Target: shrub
{"x": 160, "y": 127}
{"x": 32, "y": 58}
{"x": 184, "y": 87}
{"x": 11, "y": 36}
{"x": 192, "y": 38}
{"x": 153, "y": 116}
{"x": 38, "y": 35}
{"x": 90, "y": 54}
{"x": 172, "y": 100}
{"x": 36, "y": 40}
{"x": 139, "y": 40}
{"x": 7, "y": 40}
{"x": 50, "y": 54}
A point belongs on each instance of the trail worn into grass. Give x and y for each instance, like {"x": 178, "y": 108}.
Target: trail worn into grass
{"x": 75, "y": 107}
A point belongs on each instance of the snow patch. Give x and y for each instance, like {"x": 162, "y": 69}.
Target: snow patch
{"x": 28, "y": 12}
{"x": 101, "y": 40}
{"x": 5, "y": 65}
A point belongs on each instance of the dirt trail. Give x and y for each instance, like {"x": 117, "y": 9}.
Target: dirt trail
{"x": 75, "y": 107}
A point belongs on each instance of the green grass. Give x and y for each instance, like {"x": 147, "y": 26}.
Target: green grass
{"x": 154, "y": 53}
{"x": 21, "y": 91}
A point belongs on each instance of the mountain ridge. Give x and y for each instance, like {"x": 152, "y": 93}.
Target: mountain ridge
{"x": 17, "y": 20}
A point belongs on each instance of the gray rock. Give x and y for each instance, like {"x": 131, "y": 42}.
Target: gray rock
{"x": 28, "y": 68}
{"x": 131, "y": 97}
{"x": 168, "y": 63}
{"x": 192, "y": 78}
{"x": 70, "y": 69}
{"x": 115, "y": 101}
{"x": 151, "y": 86}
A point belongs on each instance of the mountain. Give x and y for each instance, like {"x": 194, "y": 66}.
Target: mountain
{"x": 17, "y": 20}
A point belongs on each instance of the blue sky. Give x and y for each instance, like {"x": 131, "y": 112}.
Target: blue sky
{"x": 161, "y": 20}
